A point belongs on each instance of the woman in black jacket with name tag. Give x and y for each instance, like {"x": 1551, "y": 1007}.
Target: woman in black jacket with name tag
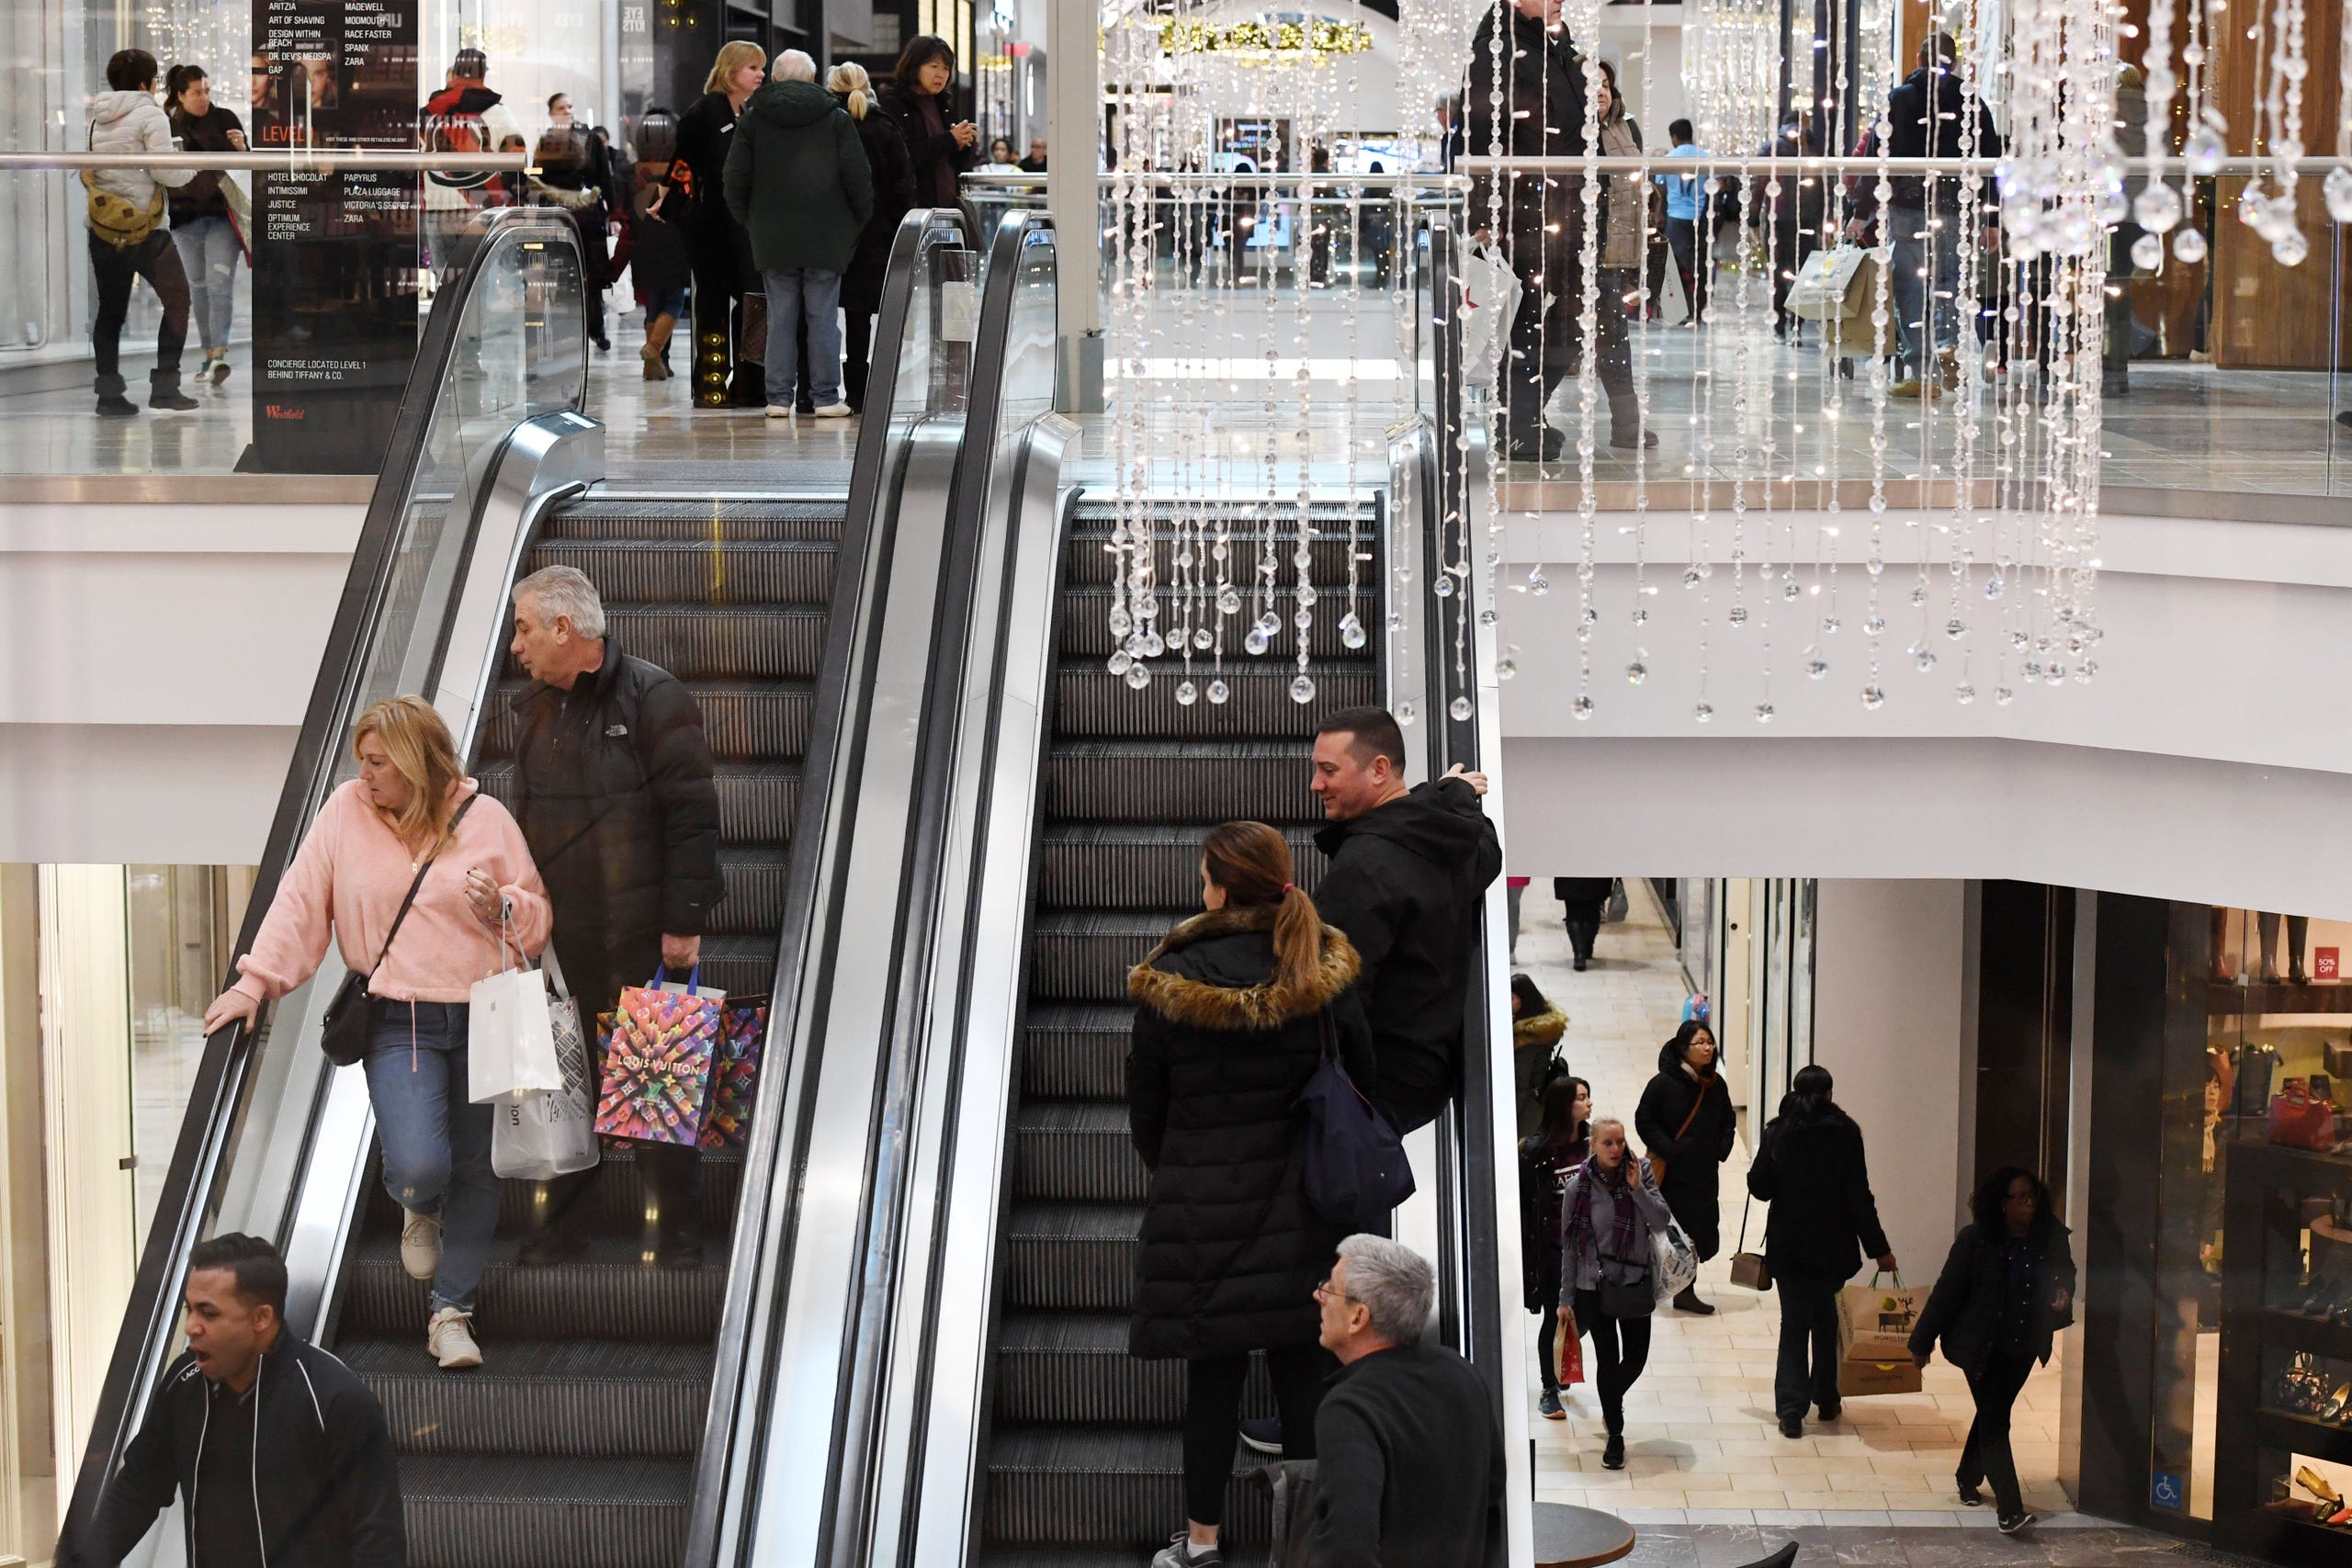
{"x": 1236, "y": 1006}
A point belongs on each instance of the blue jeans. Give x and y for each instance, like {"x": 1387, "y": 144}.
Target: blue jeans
{"x": 436, "y": 1142}
{"x": 208, "y": 253}
{"x": 795, "y": 292}
{"x": 1925, "y": 323}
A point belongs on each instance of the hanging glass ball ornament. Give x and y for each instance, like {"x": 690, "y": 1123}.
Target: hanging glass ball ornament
{"x": 1829, "y": 625}
{"x": 1539, "y": 584}
{"x": 1445, "y": 585}
{"x": 2148, "y": 253}
{"x": 1636, "y": 672}
{"x": 1153, "y": 645}
{"x": 1408, "y": 713}
{"x": 2338, "y": 189}
{"x": 1919, "y": 594}
{"x": 1303, "y": 620}
{"x": 1955, "y": 629}
{"x": 1121, "y": 624}
{"x": 1506, "y": 668}
{"x": 1256, "y": 642}
{"x": 2203, "y": 151}
{"x": 1351, "y": 631}
{"x": 1218, "y": 692}
{"x": 1816, "y": 667}
{"x": 1581, "y": 707}
{"x": 1738, "y": 617}
{"x": 2188, "y": 246}
{"x": 1460, "y": 708}
{"x": 1923, "y": 657}
{"x": 2004, "y": 697}
{"x": 1704, "y": 713}
{"x": 1964, "y": 693}
{"x": 1138, "y": 676}
{"x": 1875, "y": 626}
{"x": 1791, "y": 590}
{"x": 1229, "y": 600}
{"x": 1486, "y": 617}
{"x": 2157, "y": 207}
{"x": 2084, "y": 671}
{"x": 1993, "y": 586}
{"x": 1118, "y": 662}
{"x": 1302, "y": 690}
{"x": 1203, "y": 639}
{"x": 1873, "y": 696}
{"x": 1690, "y": 577}
{"x": 2289, "y": 248}
{"x": 1186, "y": 693}
{"x": 1763, "y": 713}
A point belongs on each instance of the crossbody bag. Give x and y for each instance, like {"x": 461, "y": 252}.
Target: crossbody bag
{"x": 343, "y": 1028}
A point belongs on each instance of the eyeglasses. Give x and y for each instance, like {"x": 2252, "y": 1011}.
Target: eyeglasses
{"x": 1324, "y": 1292}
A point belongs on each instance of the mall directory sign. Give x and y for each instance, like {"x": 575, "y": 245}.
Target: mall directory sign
{"x": 334, "y": 255}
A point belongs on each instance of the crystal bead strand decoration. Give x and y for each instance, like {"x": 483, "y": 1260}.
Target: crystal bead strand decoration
{"x": 1584, "y": 31}
{"x": 1642, "y": 589}
{"x": 1311, "y": 202}
{"x": 2201, "y": 151}
{"x": 2337, "y": 189}
{"x": 1498, "y": 397}
{"x": 1875, "y": 25}
{"x": 1960, "y": 533}
{"x": 2279, "y": 127}
{"x": 1135, "y": 609}
{"x": 2158, "y": 208}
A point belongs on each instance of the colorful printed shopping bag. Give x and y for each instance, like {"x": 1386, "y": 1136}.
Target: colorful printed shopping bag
{"x": 658, "y": 1057}
{"x": 734, "y": 1078}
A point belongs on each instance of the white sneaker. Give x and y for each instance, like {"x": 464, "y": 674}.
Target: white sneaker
{"x": 835, "y": 410}
{"x": 779, "y": 411}
{"x": 420, "y": 1244}
{"x": 449, "y": 1339}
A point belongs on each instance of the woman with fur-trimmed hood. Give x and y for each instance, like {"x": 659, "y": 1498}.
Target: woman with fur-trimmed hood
{"x": 1237, "y": 1005}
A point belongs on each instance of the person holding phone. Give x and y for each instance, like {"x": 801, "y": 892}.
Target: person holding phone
{"x": 203, "y": 222}
{"x": 922, "y": 99}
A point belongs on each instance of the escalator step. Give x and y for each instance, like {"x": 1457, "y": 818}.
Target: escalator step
{"x": 1085, "y": 957}
{"x": 1092, "y": 1485}
{"x": 612, "y": 1206}
{"x": 1088, "y": 559}
{"x": 616, "y": 1289}
{"x": 756, "y": 800}
{"x": 739, "y": 966}
{"x": 1074, "y": 1369}
{"x": 753, "y": 901}
{"x": 720, "y": 642}
{"x": 581, "y": 1397}
{"x": 1085, "y": 628}
{"x": 1089, "y": 701}
{"x": 1076, "y": 1053}
{"x": 743, "y": 721}
{"x": 735, "y": 573}
{"x": 1181, "y": 781}
{"x": 695, "y": 522}
{"x": 502, "y": 1511}
{"x": 1071, "y": 1257}
{"x": 1139, "y": 866}
{"x": 1076, "y": 1151}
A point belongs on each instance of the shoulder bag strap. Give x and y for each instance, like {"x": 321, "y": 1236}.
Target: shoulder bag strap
{"x": 386, "y": 950}
{"x": 1698, "y": 1100}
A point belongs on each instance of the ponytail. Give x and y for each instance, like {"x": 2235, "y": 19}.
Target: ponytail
{"x": 1253, "y": 863}
{"x": 849, "y": 83}
{"x": 1298, "y": 940}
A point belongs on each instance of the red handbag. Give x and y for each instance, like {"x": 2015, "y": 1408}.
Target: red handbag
{"x": 2299, "y": 1122}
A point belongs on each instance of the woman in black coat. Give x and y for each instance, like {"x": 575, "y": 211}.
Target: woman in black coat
{"x": 894, "y": 197}
{"x": 1236, "y": 1007}
{"x": 2006, "y": 1289}
{"x": 1547, "y": 1158}
{"x": 717, "y": 245}
{"x": 1583, "y": 897}
{"x": 922, "y": 99}
{"x": 1686, "y": 1119}
{"x": 1809, "y": 1166}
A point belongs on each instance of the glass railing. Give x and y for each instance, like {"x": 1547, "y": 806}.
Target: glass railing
{"x": 506, "y": 345}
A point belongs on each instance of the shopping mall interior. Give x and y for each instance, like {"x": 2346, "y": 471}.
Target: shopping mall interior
{"x": 1788, "y": 450}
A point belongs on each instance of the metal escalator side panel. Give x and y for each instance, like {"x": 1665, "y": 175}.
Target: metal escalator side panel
{"x": 251, "y": 1084}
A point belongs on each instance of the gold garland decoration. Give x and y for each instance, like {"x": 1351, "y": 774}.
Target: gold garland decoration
{"x": 1314, "y": 41}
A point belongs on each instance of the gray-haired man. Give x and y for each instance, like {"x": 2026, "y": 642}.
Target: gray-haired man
{"x": 616, "y": 795}
{"x": 1410, "y": 1457}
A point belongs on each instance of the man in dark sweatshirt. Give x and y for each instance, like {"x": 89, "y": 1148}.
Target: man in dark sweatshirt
{"x": 1409, "y": 1454}
{"x": 1408, "y": 870}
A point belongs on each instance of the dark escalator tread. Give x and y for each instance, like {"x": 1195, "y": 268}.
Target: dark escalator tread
{"x": 1091, "y": 702}
{"x": 756, "y": 876}
{"x": 1076, "y": 1151}
{"x": 1076, "y": 1053}
{"x": 616, "y": 1289}
{"x": 1139, "y": 866}
{"x": 1071, "y": 1257}
{"x": 1106, "y": 1487}
{"x": 742, "y": 719}
{"x": 728, "y": 574}
{"x": 1074, "y": 1369}
{"x": 1182, "y": 781}
{"x": 580, "y": 1397}
{"x": 722, "y": 642}
{"x": 696, "y": 522}
{"x": 1085, "y": 957}
{"x": 1085, "y": 630}
{"x": 505, "y": 1511}
{"x": 756, "y": 800}
{"x": 1236, "y": 1556}
{"x": 739, "y": 966}
{"x": 614, "y": 1205}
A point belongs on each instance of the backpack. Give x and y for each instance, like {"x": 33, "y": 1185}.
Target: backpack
{"x": 451, "y": 125}
{"x": 113, "y": 219}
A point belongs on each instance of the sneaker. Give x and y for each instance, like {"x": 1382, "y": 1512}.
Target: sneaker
{"x": 220, "y": 371}
{"x": 2012, "y": 1523}
{"x": 1970, "y": 1496}
{"x": 174, "y": 401}
{"x": 420, "y": 1244}
{"x": 449, "y": 1339}
{"x": 1180, "y": 1552}
{"x": 1548, "y": 1406}
{"x": 779, "y": 411}
{"x": 835, "y": 410}
{"x": 1612, "y": 1452}
{"x": 1791, "y": 1427}
{"x": 114, "y": 405}
{"x": 1264, "y": 1433}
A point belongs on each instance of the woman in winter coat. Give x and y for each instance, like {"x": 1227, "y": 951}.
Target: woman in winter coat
{"x": 1823, "y": 1222}
{"x": 894, "y": 197}
{"x": 1608, "y": 1213}
{"x": 411, "y": 818}
{"x": 1236, "y": 1004}
{"x": 922, "y": 99}
{"x": 124, "y": 118}
{"x": 2006, "y": 1289}
{"x": 716, "y": 246}
{"x": 1686, "y": 1120}
{"x": 1536, "y": 1025}
{"x": 1582, "y": 897}
{"x": 201, "y": 224}
{"x": 1546, "y": 1159}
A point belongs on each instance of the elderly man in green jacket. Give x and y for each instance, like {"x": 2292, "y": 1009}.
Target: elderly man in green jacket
{"x": 797, "y": 180}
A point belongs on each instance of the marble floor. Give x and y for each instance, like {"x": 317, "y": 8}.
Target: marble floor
{"x": 1702, "y": 1445}
{"x": 2095, "y": 1545}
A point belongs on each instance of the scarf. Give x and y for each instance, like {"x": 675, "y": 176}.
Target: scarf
{"x": 1626, "y": 1222}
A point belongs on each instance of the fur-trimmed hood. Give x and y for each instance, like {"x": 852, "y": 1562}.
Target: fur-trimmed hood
{"x": 1215, "y": 971}
{"x": 1544, "y": 1029}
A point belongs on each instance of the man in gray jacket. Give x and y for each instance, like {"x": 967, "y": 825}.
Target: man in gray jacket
{"x": 128, "y": 240}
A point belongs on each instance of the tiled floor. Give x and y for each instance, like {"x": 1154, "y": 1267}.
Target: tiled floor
{"x": 1702, "y": 1446}
{"x": 1865, "y": 1546}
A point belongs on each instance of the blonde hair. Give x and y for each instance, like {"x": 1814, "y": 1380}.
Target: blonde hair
{"x": 850, "y": 82}
{"x": 421, "y": 748}
{"x": 733, "y": 57}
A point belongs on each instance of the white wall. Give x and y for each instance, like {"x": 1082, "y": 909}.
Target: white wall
{"x": 1889, "y": 1024}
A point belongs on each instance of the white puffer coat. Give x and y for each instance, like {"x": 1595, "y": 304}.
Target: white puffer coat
{"x": 127, "y": 120}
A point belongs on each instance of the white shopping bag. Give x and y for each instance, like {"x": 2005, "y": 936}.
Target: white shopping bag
{"x": 550, "y": 1132}
{"x": 1674, "y": 1262}
{"x": 510, "y": 1036}
{"x": 1491, "y": 293}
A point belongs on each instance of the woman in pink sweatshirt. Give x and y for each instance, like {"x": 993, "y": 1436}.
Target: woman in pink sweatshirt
{"x": 480, "y": 902}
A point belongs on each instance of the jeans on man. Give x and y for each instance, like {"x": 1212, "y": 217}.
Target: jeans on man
{"x": 1691, "y": 262}
{"x": 1926, "y": 308}
{"x": 436, "y": 1141}
{"x": 1808, "y": 1332}
{"x": 118, "y": 266}
{"x": 208, "y": 253}
{"x": 798, "y": 295}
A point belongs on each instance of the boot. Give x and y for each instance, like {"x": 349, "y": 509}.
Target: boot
{"x": 1625, "y": 424}
{"x": 1687, "y": 1301}
{"x": 656, "y": 351}
{"x": 164, "y": 392}
{"x": 112, "y": 399}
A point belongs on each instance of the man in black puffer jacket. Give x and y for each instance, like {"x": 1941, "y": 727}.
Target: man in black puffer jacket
{"x": 1408, "y": 868}
{"x": 616, "y": 795}
{"x": 278, "y": 1450}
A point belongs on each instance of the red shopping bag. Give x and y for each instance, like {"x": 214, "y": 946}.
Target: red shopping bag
{"x": 659, "y": 1051}
{"x": 735, "y": 1075}
{"x": 1571, "y": 1358}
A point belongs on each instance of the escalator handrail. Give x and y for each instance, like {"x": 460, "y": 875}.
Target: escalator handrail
{"x": 844, "y": 1541}
{"x": 730, "y": 1445}
{"x": 183, "y": 1202}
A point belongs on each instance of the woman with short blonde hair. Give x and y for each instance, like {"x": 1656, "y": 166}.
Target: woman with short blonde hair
{"x": 411, "y": 833}
{"x": 732, "y": 57}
